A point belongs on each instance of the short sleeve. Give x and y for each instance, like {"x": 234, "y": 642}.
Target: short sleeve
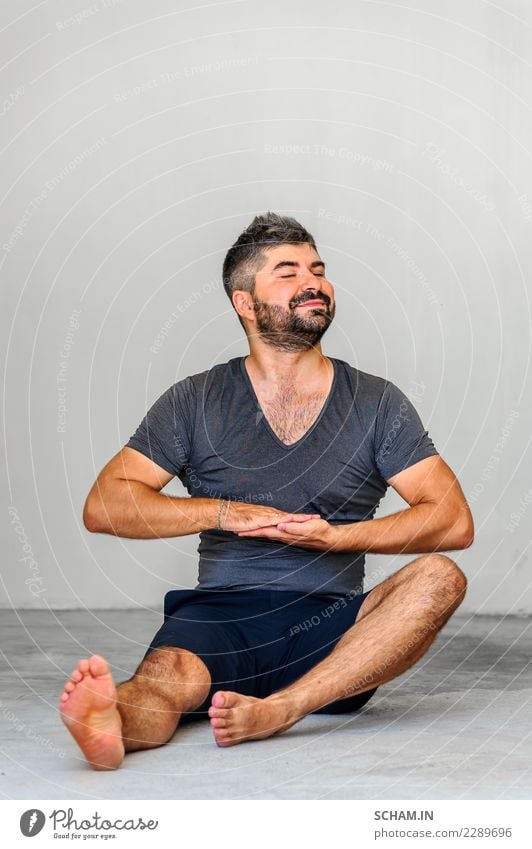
{"x": 164, "y": 434}
{"x": 400, "y": 438}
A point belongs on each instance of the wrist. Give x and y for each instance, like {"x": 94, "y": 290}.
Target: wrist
{"x": 333, "y": 538}
{"x": 339, "y": 538}
{"x": 224, "y": 505}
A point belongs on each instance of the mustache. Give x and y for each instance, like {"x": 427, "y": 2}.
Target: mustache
{"x": 310, "y": 297}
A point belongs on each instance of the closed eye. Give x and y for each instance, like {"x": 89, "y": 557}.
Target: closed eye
{"x": 316, "y": 274}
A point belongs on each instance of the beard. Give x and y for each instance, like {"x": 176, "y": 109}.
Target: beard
{"x": 290, "y": 329}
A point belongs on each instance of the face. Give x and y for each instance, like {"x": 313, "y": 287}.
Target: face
{"x": 293, "y": 300}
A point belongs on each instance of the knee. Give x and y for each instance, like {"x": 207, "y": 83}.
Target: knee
{"x": 156, "y": 663}
{"x": 166, "y": 664}
{"x": 445, "y": 576}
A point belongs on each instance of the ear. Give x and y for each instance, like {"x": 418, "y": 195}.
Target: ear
{"x": 243, "y": 304}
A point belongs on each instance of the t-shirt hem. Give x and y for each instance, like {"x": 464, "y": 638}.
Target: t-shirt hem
{"x": 151, "y": 455}
{"x": 411, "y": 462}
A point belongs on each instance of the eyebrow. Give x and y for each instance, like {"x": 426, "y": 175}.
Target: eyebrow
{"x": 292, "y": 264}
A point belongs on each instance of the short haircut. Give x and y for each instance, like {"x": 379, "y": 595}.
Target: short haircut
{"x": 247, "y": 256}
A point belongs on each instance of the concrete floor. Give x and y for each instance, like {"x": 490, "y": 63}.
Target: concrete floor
{"x": 456, "y": 726}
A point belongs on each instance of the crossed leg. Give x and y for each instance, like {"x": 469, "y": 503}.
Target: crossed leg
{"x": 106, "y": 721}
{"x": 396, "y": 624}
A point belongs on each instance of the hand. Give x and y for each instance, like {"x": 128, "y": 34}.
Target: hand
{"x": 315, "y": 533}
{"x": 240, "y": 516}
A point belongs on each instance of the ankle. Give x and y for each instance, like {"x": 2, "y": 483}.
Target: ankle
{"x": 290, "y": 702}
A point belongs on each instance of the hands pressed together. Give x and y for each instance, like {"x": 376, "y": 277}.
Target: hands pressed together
{"x": 308, "y": 530}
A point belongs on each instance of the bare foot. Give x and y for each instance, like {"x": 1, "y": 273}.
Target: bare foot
{"x": 236, "y": 718}
{"x": 88, "y": 709}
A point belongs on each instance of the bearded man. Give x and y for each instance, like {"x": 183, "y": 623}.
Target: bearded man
{"x": 286, "y": 454}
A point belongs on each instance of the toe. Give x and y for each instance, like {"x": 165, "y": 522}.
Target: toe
{"x": 224, "y": 699}
{"x": 222, "y": 737}
{"x": 219, "y": 723}
{"x": 76, "y": 676}
{"x": 98, "y": 666}
{"x": 83, "y": 666}
{"x": 218, "y": 700}
{"x": 221, "y": 734}
{"x": 69, "y": 686}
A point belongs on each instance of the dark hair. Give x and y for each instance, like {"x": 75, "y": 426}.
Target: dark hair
{"x": 246, "y": 256}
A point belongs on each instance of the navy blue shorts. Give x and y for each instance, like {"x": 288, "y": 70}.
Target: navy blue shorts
{"x": 256, "y": 642}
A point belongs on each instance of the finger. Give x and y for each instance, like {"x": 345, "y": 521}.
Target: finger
{"x": 291, "y": 528}
{"x": 293, "y": 517}
{"x": 258, "y": 532}
{"x": 298, "y": 517}
{"x": 302, "y": 525}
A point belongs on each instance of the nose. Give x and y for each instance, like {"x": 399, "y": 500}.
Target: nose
{"x": 310, "y": 282}
{"x": 313, "y": 287}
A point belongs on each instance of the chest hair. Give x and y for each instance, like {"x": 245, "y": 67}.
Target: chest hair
{"x": 290, "y": 413}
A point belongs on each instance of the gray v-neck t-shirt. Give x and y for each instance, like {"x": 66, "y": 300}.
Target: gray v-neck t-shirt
{"x": 209, "y": 431}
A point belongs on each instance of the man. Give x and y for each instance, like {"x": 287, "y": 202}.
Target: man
{"x": 286, "y": 454}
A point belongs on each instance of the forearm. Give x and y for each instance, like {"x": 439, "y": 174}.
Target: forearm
{"x": 134, "y": 510}
{"x": 418, "y": 529}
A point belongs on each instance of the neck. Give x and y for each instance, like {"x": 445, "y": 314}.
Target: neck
{"x": 300, "y": 368}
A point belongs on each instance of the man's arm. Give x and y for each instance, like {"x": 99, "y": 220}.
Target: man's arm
{"x": 125, "y": 501}
{"x": 438, "y": 519}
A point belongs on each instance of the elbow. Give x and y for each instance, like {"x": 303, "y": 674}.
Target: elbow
{"x": 457, "y": 532}
{"x": 100, "y": 514}
{"x": 91, "y": 518}
{"x": 467, "y": 541}
{"x": 466, "y": 536}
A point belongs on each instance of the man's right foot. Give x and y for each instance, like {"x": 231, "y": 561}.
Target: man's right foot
{"x": 88, "y": 709}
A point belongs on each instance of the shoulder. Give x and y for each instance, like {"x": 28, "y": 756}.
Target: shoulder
{"x": 376, "y": 399}
{"x": 369, "y": 387}
{"x": 195, "y": 385}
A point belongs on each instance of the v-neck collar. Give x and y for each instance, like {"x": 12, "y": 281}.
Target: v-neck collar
{"x": 265, "y": 421}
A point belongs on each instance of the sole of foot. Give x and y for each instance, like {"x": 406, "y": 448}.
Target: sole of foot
{"x": 88, "y": 709}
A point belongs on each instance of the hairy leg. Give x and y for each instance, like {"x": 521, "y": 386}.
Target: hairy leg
{"x": 141, "y": 713}
{"x": 169, "y": 682}
{"x": 396, "y": 624}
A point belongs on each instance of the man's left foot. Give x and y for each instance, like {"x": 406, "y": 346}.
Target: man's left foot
{"x": 236, "y": 718}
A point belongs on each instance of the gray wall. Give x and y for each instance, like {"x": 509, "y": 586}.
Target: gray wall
{"x": 138, "y": 140}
